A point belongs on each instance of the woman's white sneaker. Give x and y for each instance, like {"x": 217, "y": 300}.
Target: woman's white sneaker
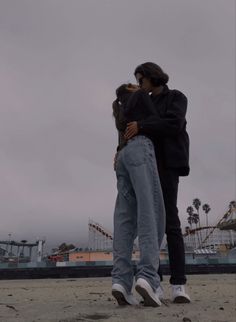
{"x": 122, "y": 297}
{"x": 150, "y": 298}
{"x": 179, "y": 295}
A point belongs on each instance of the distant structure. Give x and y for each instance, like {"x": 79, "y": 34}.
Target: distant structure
{"x": 214, "y": 240}
{"x": 228, "y": 222}
{"x": 20, "y": 252}
{"x": 99, "y": 237}
{"x": 40, "y": 250}
{"x": 223, "y": 234}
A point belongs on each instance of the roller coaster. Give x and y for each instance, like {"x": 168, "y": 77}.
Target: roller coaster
{"x": 223, "y": 233}
{"x": 99, "y": 237}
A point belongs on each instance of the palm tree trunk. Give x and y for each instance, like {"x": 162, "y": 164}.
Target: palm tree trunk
{"x": 197, "y": 232}
{"x": 207, "y": 224}
{"x": 200, "y": 233}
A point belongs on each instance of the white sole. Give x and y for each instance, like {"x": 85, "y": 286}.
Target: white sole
{"x": 181, "y": 299}
{"x": 119, "y": 296}
{"x": 148, "y": 300}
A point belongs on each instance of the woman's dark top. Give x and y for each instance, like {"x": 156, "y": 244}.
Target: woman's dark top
{"x": 135, "y": 106}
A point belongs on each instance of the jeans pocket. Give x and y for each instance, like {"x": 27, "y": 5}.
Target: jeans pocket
{"x": 135, "y": 155}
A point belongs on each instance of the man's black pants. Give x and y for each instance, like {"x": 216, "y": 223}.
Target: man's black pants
{"x": 169, "y": 182}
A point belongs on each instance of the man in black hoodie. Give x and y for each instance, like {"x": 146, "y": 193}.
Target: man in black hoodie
{"x": 167, "y": 129}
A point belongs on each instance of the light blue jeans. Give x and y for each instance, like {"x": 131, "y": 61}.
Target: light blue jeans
{"x": 139, "y": 211}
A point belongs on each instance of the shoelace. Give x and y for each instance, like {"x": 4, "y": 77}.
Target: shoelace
{"x": 177, "y": 288}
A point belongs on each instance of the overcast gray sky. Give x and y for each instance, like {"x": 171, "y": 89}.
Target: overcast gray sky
{"x": 60, "y": 63}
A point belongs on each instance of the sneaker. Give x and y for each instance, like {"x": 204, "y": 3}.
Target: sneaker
{"x": 149, "y": 296}
{"x": 122, "y": 297}
{"x": 179, "y": 295}
{"x": 160, "y": 293}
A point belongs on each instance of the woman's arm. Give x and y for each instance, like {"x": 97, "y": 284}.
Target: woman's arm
{"x": 119, "y": 116}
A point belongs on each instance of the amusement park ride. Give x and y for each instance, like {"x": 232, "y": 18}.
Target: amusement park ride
{"x": 201, "y": 240}
{"x": 223, "y": 233}
{"x": 15, "y": 251}
{"x": 99, "y": 237}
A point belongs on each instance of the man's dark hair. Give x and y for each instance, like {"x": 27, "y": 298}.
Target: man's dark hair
{"x": 153, "y": 72}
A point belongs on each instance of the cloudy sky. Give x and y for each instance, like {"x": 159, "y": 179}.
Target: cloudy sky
{"x": 60, "y": 62}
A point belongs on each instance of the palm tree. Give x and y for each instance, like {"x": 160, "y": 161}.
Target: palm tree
{"x": 190, "y": 210}
{"x": 190, "y": 218}
{"x": 195, "y": 219}
{"x": 190, "y": 221}
{"x": 187, "y": 230}
{"x": 206, "y": 208}
{"x": 188, "y": 234}
{"x": 197, "y": 204}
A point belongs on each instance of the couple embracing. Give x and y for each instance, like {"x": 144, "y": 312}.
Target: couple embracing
{"x": 153, "y": 152}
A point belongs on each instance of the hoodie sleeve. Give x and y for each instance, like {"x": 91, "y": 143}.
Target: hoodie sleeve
{"x": 171, "y": 123}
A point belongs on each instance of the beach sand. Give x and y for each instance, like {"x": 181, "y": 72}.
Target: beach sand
{"x": 89, "y": 299}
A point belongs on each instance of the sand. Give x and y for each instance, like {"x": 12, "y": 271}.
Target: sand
{"x": 89, "y": 299}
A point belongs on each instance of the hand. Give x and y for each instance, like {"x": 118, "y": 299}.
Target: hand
{"x": 131, "y": 130}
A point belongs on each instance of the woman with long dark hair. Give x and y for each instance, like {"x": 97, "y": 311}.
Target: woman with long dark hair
{"x": 139, "y": 209}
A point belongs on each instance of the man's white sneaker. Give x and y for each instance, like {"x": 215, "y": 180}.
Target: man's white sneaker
{"x": 145, "y": 290}
{"x": 122, "y": 297}
{"x": 179, "y": 295}
{"x": 160, "y": 293}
